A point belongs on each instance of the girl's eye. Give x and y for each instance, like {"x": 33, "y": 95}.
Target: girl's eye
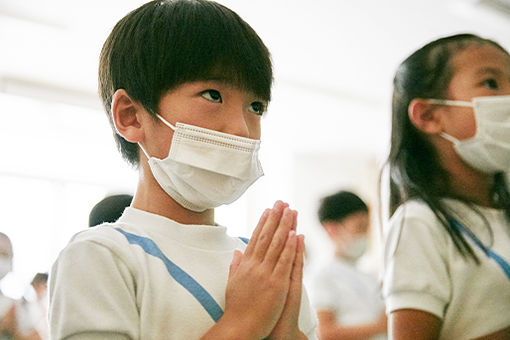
{"x": 491, "y": 83}
{"x": 258, "y": 108}
{"x": 212, "y": 95}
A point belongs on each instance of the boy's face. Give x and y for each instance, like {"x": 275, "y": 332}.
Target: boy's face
{"x": 351, "y": 227}
{"x": 213, "y": 105}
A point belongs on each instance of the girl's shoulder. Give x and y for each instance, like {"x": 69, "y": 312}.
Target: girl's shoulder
{"x": 415, "y": 209}
{"x": 414, "y": 222}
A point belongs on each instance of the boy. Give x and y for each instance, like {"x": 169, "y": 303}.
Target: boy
{"x": 184, "y": 84}
{"x": 347, "y": 301}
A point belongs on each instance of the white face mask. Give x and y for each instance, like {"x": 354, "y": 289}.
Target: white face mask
{"x": 489, "y": 150}
{"x": 206, "y": 168}
{"x": 355, "y": 248}
{"x": 5, "y": 266}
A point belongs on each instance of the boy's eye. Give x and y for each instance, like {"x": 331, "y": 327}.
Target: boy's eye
{"x": 491, "y": 83}
{"x": 212, "y": 95}
{"x": 257, "y": 108}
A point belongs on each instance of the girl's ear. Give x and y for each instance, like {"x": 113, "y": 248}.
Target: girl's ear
{"x": 425, "y": 116}
{"x": 127, "y": 116}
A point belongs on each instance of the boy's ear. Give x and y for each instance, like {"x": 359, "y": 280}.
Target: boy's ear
{"x": 424, "y": 116}
{"x": 127, "y": 116}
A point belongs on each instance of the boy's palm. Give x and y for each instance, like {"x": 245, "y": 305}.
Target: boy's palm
{"x": 259, "y": 280}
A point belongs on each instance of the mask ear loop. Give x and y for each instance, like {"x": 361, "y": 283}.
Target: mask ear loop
{"x": 166, "y": 123}
{"x": 143, "y": 150}
{"x": 448, "y": 137}
{"x": 450, "y": 102}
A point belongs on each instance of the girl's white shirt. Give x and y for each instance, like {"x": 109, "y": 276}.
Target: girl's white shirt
{"x": 423, "y": 270}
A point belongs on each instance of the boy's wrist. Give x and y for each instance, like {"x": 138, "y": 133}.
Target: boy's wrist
{"x": 230, "y": 329}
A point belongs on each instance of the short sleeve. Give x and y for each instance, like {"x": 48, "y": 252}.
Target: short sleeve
{"x": 92, "y": 293}
{"x": 415, "y": 266}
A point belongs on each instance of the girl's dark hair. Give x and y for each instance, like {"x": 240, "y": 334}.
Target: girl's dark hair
{"x": 166, "y": 43}
{"x": 336, "y": 207}
{"x": 415, "y": 171}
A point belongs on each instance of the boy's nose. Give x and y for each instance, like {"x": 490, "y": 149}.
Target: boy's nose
{"x": 236, "y": 124}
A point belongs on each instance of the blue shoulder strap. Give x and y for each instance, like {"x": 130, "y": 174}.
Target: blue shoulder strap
{"x": 491, "y": 254}
{"x": 179, "y": 275}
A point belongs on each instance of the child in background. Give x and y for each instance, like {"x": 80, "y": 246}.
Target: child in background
{"x": 184, "y": 84}
{"x": 109, "y": 209}
{"x": 15, "y": 320}
{"x": 38, "y": 306}
{"x": 448, "y": 243}
{"x": 348, "y": 301}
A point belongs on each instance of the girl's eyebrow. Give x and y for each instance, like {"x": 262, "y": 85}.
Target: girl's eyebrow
{"x": 489, "y": 70}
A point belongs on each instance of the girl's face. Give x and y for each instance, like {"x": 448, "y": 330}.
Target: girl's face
{"x": 478, "y": 70}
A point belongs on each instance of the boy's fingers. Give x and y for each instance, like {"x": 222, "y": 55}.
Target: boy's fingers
{"x": 253, "y": 240}
{"x": 236, "y": 260}
{"x": 267, "y": 232}
{"x": 280, "y": 237}
{"x": 297, "y": 270}
{"x": 294, "y": 222}
{"x": 285, "y": 262}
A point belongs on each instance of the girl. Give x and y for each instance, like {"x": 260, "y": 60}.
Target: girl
{"x": 448, "y": 243}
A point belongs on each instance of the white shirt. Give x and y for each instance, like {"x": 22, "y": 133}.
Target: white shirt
{"x": 5, "y": 304}
{"x": 352, "y": 295}
{"x": 102, "y": 286}
{"x": 424, "y": 271}
{"x": 25, "y": 322}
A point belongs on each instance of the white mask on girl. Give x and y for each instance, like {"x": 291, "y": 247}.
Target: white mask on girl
{"x": 206, "y": 168}
{"x": 489, "y": 150}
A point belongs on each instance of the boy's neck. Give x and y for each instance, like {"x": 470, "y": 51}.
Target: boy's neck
{"x": 152, "y": 198}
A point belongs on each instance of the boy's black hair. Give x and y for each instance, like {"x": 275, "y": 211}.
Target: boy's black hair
{"x": 336, "y": 207}
{"x": 415, "y": 171}
{"x": 166, "y": 43}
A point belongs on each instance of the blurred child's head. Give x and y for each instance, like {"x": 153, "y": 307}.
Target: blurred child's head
{"x": 435, "y": 71}
{"x": 345, "y": 218}
{"x": 40, "y": 285}
{"x": 109, "y": 209}
{"x": 166, "y": 43}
